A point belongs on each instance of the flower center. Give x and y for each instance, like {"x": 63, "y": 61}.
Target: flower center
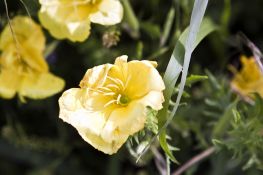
{"x": 122, "y": 100}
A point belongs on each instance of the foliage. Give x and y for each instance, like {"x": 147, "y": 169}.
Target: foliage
{"x": 201, "y": 112}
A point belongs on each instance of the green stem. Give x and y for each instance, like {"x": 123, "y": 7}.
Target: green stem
{"x": 131, "y": 19}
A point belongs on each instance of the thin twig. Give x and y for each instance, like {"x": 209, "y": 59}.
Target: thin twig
{"x": 194, "y": 160}
{"x": 12, "y": 30}
{"x": 255, "y": 50}
{"x": 159, "y": 161}
{"x": 27, "y": 11}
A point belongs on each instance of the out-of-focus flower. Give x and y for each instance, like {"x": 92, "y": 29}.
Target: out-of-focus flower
{"x": 23, "y": 69}
{"x": 249, "y": 79}
{"x": 112, "y": 101}
{"x": 110, "y": 38}
{"x": 71, "y": 18}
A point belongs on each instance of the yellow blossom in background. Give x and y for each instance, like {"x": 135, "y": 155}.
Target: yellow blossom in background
{"x": 249, "y": 79}
{"x": 112, "y": 101}
{"x": 71, "y": 18}
{"x": 23, "y": 69}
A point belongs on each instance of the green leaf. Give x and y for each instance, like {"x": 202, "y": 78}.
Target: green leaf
{"x": 195, "y": 78}
{"x": 207, "y": 26}
{"x": 187, "y": 42}
{"x": 189, "y": 39}
{"x": 165, "y": 146}
{"x": 167, "y": 26}
{"x": 151, "y": 29}
{"x": 213, "y": 81}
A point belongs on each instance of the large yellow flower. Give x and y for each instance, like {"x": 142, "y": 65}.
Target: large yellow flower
{"x": 249, "y": 79}
{"x": 112, "y": 101}
{"x": 71, "y": 18}
{"x": 23, "y": 69}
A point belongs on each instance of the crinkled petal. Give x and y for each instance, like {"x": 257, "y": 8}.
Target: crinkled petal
{"x": 100, "y": 144}
{"x": 125, "y": 121}
{"x": 34, "y": 59}
{"x": 40, "y": 85}
{"x": 95, "y": 77}
{"x": 142, "y": 82}
{"x": 153, "y": 99}
{"x": 140, "y": 77}
{"x": 9, "y": 82}
{"x": 109, "y": 12}
{"x": 249, "y": 79}
{"x": 88, "y": 123}
{"x": 30, "y": 43}
{"x": 26, "y": 30}
{"x": 129, "y": 120}
{"x": 62, "y": 29}
{"x": 72, "y": 112}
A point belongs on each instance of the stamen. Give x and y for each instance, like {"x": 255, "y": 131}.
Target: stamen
{"x": 117, "y": 81}
{"x": 113, "y": 86}
{"x": 95, "y": 90}
{"x": 118, "y": 99}
{"x": 110, "y": 103}
{"x": 109, "y": 94}
{"x": 105, "y": 89}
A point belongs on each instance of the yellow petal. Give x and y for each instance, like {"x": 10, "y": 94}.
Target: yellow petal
{"x": 95, "y": 77}
{"x": 129, "y": 120}
{"x": 88, "y": 123}
{"x": 26, "y": 30}
{"x": 100, "y": 144}
{"x": 125, "y": 121}
{"x": 140, "y": 77}
{"x": 143, "y": 81}
{"x": 30, "y": 44}
{"x": 72, "y": 112}
{"x": 249, "y": 79}
{"x": 40, "y": 85}
{"x": 112, "y": 102}
{"x": 34, "y": 59}
{"x": 153, "y": 99}
{"x": 109, "y": 12}
{"x": 9, "y": 83}
{"x": 57, "y": 20}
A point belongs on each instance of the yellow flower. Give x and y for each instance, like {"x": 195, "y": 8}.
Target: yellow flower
{"x": 71, "y": 18}
{"x": 23, "y": 69}
{"x": 112, "y": 101}
{"x": 249, "y": 79}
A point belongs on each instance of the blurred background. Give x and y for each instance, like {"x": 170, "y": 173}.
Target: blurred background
{"x": 34, "y": 141}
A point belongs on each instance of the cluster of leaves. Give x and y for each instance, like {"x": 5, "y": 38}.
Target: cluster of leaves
{"x": 244, "y": 138}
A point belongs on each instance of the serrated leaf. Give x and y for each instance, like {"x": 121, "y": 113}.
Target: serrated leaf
{"x": 165, "y": 147}
{"x": 152, "y": 121}
{"x": 237, "y": 116}
{"x": 217, "y": 142}
{"x": 224, "y": 121}
{"x": 213, "y": 80}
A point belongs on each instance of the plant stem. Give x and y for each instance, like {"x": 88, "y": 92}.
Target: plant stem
{"x": 194, "y": 160}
